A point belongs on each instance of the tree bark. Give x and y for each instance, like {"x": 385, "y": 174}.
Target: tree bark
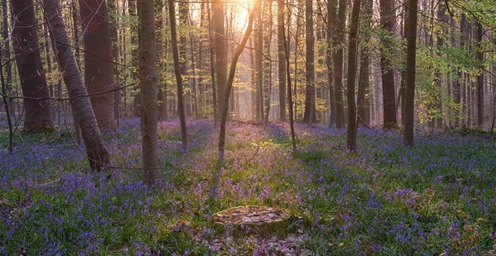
{"x": 98, "y": 155}
{"x": 339, "y": 22}
{"x": 364, "y": 77}
{"x": 5, "y": 58}
{"x": 259, "y": 72}
{"x": 230, "y": 80}
{"x": 460, "y": 75}
{"x": 281, "y": 60}
{"x": 388, "y": 21}
{"x": 148, "y": 86}
{"x": 351, "y": 131}
{"x": 410, "y": 71}
{"x": 441, "y": 18}
{"x": 115, "y": 53}
{"x": 38, "y": 117}
{"x": 220, "y": 46}
{"x": 98, "y": 60}
{"x": 178, "y": 71}
{"x": 309, "y": 114}
{"x": 479, "y": 56}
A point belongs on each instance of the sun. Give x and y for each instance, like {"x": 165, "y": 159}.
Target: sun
{"x": 238, "y": 12}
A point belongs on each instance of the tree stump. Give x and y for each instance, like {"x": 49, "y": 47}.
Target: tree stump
{"x": 261, "y": 221}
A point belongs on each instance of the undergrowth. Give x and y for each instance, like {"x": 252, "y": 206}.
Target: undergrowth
{"x": 435, "y": 198}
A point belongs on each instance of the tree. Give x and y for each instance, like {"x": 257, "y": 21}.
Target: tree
{"x": 258, "y": 35}
{"x": 281, "y": 60}
{"x": 220, "y": 49}
{"x": 5, "y": 61}
{"x": 337, "y": 20}
{"x": 223, "y": 120}
{"x": 148, "y": 87}
{"x": 352, "y": 56}
{"x": 363, "y": 97}
{"x": 178, "y": 71}
{"x": 479, "y": 55}
{"x": 388, "y": 22}
{"x": 309, "y": 114}
{"x": 38, "y": 117}
{"x": 160, "y": 24}
{"x": 410, "y": 71}
{"x": 98, "y": 155}
{"x": 98, "y": 60}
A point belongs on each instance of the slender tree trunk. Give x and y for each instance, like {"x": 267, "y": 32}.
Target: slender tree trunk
{"x": 113, "y": 10}
{"x": 5, "y": 58}
{"x": 98, "y": 155}
{"x": 3, "y": 88}
{"x": 78, "y": 137}
{"x": 38, "y": 116}
{"x": 194, "y": 85}
{"x": 178, "y": 72}
{"x": 267, "y": 65}
{"x": 479, "y": 55}
{"x": 259, "y": 67}
{"x": 183, "y": 63}
{"x": 213, "y": 71}
{"x": 220, "y": 46}
{"x": 98, "y": 66}
{"x": 162, "y": 63}
{"x": 230, "y": 80}
{"x": 148, "y": 86}
{"x": 459, "y": 80}
{"x": 364, "y": 80}
{"x": 281, "y": 60}
{"x": 134, "y": 36}
{"x": 309, "y": 114}
{"x": 351, "y": 131}
{"x": 290, "y": 94}
{"x": 253, "y": 94}
{"x": 410, "y": 71}
{"x": 401, "y": 93}
{"x": 388, "y": 21}
{"x": 331, "y": 23}
{"x": 441, "y": 18}
{"x": 338, "y": 54}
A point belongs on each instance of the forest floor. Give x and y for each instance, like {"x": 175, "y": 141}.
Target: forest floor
{"x": 437, "y": 198}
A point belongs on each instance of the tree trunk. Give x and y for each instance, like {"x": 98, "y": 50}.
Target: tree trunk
{"x": 38, "y": 117}
{"x": 351, "y": 131}
{"x": 98, "y": 65}
{"x": 134, "y": 36}
{"x": 479, "y": 56}
{"x": 364, "y": 80}
{"x": 220, "y": 48}
{"x": 5, "y": 56}
{"x": 267, "y": 65}
{"x": 115, "y": 53}
{"x": 388, "y": 21}
{"x": 230, "y": 80}
{"x": 160, "y": 24}
{"x": 148, "y": 86}
{"x": 309, "y": 114}
{"x": 259, "y": 67}
{"x": 458, "y": 85}
{"x": 441, "y": 18}
{"x": 178, "y": 71}
{"x": 253, "y": 66}
{"x": 281, "y": 60}
{"x": 410, "y": 71}
{"x": 290, "y": 94}
{"x": 340, "y": 21}
{"x": 183, "y": 63}
{"x": 98, "y": 155}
